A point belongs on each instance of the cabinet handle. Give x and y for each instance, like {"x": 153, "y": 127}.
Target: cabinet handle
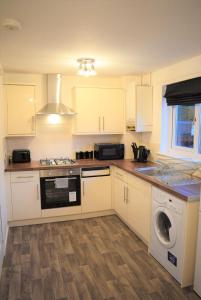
{"x": 99, "y": 123}
{"x": 103, "y": 123}
{"x": 25, "y": 177}
{"x": 83, "y": 188}
{"x": 124, "y": 193}
{"x": 127, "y": 195}
{"x": 33, "y": 123}
{"x": 119, "y": 174}
{"x": 38, "y": 196}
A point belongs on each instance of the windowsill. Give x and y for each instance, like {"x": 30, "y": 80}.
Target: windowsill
{"x": 186, "y": 156}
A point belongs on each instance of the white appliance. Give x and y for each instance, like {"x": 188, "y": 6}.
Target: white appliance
{"x": 167, "y": 232}
{"x": 197, "y": 281}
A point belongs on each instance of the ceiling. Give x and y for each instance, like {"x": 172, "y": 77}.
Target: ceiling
{"x": 126, "y": 37}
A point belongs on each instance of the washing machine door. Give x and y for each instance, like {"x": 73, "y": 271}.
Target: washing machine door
{"x": 164, "y": 227}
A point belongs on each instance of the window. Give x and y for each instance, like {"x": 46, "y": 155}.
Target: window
{"x": 184, "y": 123}
{"x": 185, "y": 130}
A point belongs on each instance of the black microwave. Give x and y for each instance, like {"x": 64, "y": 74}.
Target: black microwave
{"x": 21, "y": 156}
{"x": 108, "y": 151}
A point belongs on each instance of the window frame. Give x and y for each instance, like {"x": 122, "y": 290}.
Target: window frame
{"x": 180, "y": 151}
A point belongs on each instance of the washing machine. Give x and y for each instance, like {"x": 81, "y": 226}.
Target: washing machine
{"x": 167, "y": 232}
{"x": 197, "y": 281}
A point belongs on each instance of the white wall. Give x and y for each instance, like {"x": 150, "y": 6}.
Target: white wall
{"x": 181, "y": 71}
{"x": 3, "y": 212}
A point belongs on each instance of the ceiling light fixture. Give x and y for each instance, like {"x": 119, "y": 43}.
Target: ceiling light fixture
{"x": 86, "y": 67}
{"x": 11, "y": 24}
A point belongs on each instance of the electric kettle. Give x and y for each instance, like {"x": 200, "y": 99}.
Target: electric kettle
{"x": 140, "y": 153}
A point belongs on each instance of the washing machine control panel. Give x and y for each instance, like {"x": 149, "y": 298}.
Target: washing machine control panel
{"x": 166, "y": 200}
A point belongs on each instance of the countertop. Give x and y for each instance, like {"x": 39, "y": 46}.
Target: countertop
{"x": 184, "y": 192}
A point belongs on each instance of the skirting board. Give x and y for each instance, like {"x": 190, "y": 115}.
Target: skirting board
{"x": 61, "y": 218}
{"x": 132, "y": 229}
{"x": 3, "y": 250}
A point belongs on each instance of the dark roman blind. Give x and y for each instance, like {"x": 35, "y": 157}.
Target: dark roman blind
{"x": 186, "y": 92}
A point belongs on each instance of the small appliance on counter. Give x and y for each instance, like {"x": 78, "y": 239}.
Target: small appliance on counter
{"x": 140, "y": 153}
{"x": 108, "y": 151}
{"x": 21, "y": 156}
{"x": 84, "y": 155}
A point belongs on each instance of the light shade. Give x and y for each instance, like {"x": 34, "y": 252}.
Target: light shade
{"x": 86, "y": 67}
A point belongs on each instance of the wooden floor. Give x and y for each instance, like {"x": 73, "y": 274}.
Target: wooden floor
{"x": 95, "y": 259}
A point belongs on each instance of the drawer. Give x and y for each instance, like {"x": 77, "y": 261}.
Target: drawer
{"x": 138, "y": 183}
{"x": 25, "y": 176}
{"x": 122, "y": 175}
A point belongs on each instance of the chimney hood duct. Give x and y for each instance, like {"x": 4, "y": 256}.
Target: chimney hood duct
{"x": 54, "y": 105}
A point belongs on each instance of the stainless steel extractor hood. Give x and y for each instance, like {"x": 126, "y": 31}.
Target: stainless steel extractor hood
{"x": 54, "y": 105}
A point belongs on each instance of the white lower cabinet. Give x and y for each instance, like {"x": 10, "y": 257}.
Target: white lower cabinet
{"x": 131, "y": 198}
{"x": 132, "y": 202}
{"x": 25, "y": 195}
{"x": 139, "y": 207}
{"x": 96, "y": 194}
{"x": 120, "y": 204}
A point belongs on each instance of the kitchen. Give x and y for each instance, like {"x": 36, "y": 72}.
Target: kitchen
{"x": 126, "y": 230}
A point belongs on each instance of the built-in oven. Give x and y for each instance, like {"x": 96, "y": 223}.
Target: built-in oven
{"x": 60, "y": 188}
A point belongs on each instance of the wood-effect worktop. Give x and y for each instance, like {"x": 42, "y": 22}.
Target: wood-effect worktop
{"x": 184, "y": 192}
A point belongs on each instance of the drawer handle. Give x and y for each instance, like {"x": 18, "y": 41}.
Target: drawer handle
{"x": 121, "y": 175}
{"x": 24, "y": 177}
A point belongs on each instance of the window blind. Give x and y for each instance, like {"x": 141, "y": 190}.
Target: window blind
{"x": 186, "y": 92}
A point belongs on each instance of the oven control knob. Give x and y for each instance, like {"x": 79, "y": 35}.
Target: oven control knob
{"x": 70, "y": 171}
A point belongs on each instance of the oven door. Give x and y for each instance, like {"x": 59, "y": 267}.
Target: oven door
{"x": 60, "y": 191}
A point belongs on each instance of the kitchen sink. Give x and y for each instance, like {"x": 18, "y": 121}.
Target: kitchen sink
{"x": 168, "y": 176}
{"x": 150, "y": 171}
{"x": 178, "y": 179}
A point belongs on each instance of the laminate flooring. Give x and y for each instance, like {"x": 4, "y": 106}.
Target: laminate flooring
{"x": 90, "y": 259}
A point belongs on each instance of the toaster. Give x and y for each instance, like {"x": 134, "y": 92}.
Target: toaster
{"x": 21, "y": 156}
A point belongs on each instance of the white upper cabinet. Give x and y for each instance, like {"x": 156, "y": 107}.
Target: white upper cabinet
{"x": 140, "y": 107}
{"x": 144, "y": 116}
{"x": 87, "y": 107}
{"x": 20, "y": 100}
{"x": 112, "y": 108}
{"x": 99, "y": 110}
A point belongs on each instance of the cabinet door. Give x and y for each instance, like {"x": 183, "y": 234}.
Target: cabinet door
{"x": 96, "y": 194}
{"x": 120, "y": 198}
{"x": 139, "y": 210}
{"x": 1, "y": 241}
{"x": 20, "y": 109}
{"x": 25, "y": 195}
{"x": 87, "y": 107}
{"x": 143, "y": 109}
{"x": 112, "y": 108}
